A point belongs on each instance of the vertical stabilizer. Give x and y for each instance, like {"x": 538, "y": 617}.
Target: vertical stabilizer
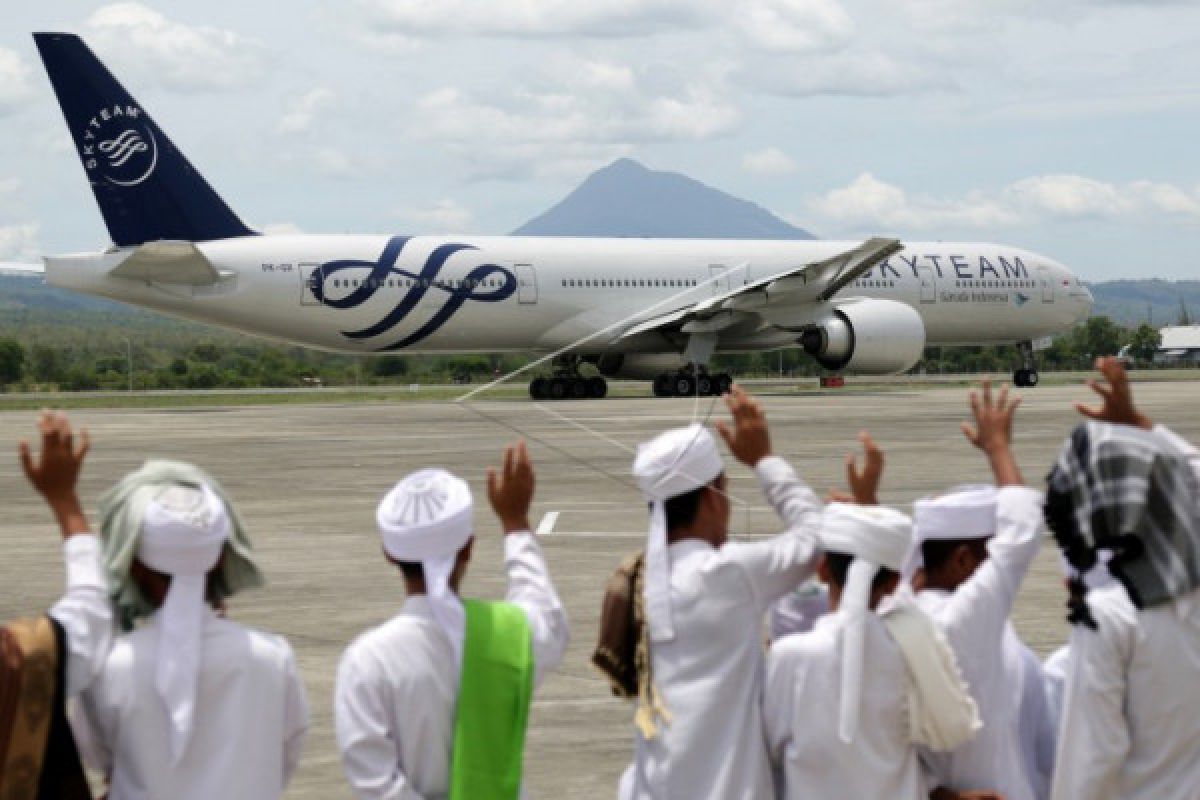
{"x": 146, "y": 189}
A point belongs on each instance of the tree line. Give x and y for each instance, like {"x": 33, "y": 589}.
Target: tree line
{"x": 89, "y": 355}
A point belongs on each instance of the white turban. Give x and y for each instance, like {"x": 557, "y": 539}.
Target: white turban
{"x": 426, "y": 518}
{"x": 876, "y": 537}
{"x": 964, "y": 512}
{"x": 184, "y": 530}
{"x": 673, "y": 463}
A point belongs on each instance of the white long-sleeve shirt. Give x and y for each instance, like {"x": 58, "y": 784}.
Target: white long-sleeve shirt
{"x": 1131, "y": 709}
{"x": 711, "y": 674}
{"x": 84, "y": 612}
{"x": 975, "y": 618}
{"x": 800, "y": 711}
{"x": 250, "y": 724}
{"x": 1037, "y": 723}
{"x": 397, "y": 685}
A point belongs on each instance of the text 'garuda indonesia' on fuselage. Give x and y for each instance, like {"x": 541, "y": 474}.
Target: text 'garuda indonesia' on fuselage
{"x": 635, "y": 307}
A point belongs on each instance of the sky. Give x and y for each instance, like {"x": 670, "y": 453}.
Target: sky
{"x": 1069, "y": 127}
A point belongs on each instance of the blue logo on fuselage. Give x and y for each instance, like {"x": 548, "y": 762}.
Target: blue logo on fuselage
{"x": 458, "y": 292}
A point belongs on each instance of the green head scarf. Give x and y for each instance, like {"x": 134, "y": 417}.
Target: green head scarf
{"x": 122, "y": 509}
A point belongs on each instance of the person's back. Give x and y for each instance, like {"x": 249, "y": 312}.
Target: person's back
{"x": 882, "y": 760}
{"x": 1131, "y": 726}
{"x": 244, "y": 711}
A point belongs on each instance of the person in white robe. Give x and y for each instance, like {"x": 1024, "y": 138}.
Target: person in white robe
{"x": 189, "y": 704}
{"x": 846, "y": 705}
{"x": 1123, "y": 506}
{"x": 398, "y": 684}
{"x": 701, "y": 735}
{"x": 976, "y": 545}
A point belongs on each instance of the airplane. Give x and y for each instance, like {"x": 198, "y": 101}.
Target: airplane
{"x": 656, "y": 309}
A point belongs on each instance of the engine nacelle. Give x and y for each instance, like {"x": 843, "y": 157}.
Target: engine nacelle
{"x": 870, "y": 336}
{"x": 638, "y": 366}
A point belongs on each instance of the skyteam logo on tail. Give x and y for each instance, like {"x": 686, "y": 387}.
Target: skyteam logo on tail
{"x": 485, "y": 283}
{"x": 118, "y": 147}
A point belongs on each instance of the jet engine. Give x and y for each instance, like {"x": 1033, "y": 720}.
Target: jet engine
{"x": 638, "y": 366}
{"x": 869, "y": 336}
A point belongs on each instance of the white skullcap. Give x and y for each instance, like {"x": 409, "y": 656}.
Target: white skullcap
{"x": 426, "y": 518}
{"x": 183, "y": 532}
{"x": 964, "y": 512}
{"x": 876, "y": 537}
{"x": 673, "y": 463}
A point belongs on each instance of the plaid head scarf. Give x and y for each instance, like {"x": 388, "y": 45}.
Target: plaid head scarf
{"x": 1133, "y": 493}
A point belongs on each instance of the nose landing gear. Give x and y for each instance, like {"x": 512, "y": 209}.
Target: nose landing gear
{"x": 1027, "y": 375}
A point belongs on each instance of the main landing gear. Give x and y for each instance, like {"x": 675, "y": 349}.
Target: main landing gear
{"x": 1027, "y": 375}
{"x": 567, "y": 383}
{"x": 690, "y": 383}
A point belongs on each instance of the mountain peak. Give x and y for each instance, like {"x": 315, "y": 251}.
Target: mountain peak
{"x": 627, "y": 199}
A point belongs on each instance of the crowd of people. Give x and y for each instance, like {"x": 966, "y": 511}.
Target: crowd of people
{"x": 861, "y": 653}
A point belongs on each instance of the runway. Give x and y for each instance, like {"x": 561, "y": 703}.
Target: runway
{"x": 306, "y": 479}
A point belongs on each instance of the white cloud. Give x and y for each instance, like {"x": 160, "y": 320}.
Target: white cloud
{"x": 19, "y": 242}
{"x": 15, "y": 87}
{"x": 769, "y": 161}
{"x": 181, "y": 57}
{"x": 579, "y": 112}
{"x": 303, "y": 110}
{"x": 445, "y": 216}
{"x": 413, "y": 19}
{"x": 279, "y": 228}
{"x": 792, "y": 26}
{"x": 854, "y": 72}
{"x": 868, "y": 203}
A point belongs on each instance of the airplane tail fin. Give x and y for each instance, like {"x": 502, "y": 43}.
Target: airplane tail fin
{"x": 145, "y": 187}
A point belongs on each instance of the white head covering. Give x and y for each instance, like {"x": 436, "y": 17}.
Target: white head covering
{"x": 673, "y": 463}
{"x": 877, "y": 537}
{"x": 964, "y": 512}
{"x": 184, "y": 529}
{"x": 427, "y": 518}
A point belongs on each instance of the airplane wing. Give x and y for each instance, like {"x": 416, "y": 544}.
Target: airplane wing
{"x": 16, "y": 268}
{"x": 168, "y": 262}
{"x": 815, "y": 282}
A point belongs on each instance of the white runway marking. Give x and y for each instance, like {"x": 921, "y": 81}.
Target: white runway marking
{"x": 546, "y": 526}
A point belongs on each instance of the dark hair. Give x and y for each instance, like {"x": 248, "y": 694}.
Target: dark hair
{"x": 839, "y": 566}
{"x": 936, "y": 552}
{"x": 412, "y": 570}
{"x": 682, "y": 509}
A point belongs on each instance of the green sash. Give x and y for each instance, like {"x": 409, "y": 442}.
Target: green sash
{"x": 493, "y": 703}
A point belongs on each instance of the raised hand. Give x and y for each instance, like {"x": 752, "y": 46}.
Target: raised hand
{"x": 55, "y": 472}
{"x": 992, "y": 431}
{"x": 749, "y": 439}
{"x": 1117, "y": 396}
{"x": 510, "y": 490}
{"x": 864, "y": 483}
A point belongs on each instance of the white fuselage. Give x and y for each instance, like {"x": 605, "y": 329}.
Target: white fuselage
{"x": 364, "y": 294}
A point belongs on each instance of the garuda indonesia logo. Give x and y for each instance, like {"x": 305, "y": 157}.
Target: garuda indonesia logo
{"x": 1020, "y": 299}
{"x": 118, "y": 146}
{"x": 486, "y": 283}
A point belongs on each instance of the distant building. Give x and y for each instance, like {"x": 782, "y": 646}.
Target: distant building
{"x": 1180, "y": 345}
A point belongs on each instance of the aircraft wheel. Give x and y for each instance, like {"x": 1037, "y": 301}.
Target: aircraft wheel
{"x": 704, "y": 386}
{"x": 682, "y": 385}
{"x": 538, "y": 389}
{"x": 559, "y": 388}
{"x": 663, "y": 385}
{"x": 1031, "y": 378}
{"x": 597, "y": 387}
{"x": 1025, "y": 378}
{"x": 579, "y": 388}
{"x": 723, "y": 383}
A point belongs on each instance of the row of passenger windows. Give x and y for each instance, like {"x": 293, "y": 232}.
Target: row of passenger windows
{"x": 632, "y": 283}
{"x": 875, "y": 284}
{"x": 402, "y": 283}
{"x": 995, "y": 284}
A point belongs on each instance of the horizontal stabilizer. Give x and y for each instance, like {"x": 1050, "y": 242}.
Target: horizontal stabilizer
{"x": 179, "y": 263}
{"x": 14, "y": 268}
